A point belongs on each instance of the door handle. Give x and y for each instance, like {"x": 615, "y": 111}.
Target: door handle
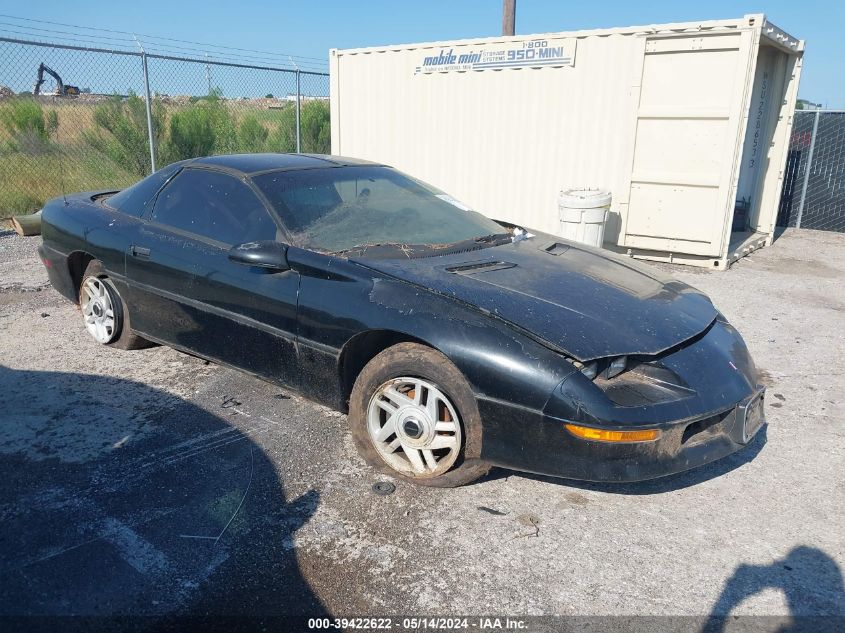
{"x": 139, "y": 251}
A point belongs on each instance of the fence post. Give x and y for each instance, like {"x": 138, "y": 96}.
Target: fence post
{"x": 298, "y": 129}
{"x": 148, "y": 102}
{"x": 807, "y": 170}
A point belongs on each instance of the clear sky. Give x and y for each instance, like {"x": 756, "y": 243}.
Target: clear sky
{"x": 310, "y": 28}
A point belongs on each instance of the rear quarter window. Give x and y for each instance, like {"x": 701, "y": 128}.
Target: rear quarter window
{"x": 134, "y": 200}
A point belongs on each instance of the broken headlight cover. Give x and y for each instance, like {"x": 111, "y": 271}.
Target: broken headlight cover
{"x": 608, "y": 368}
{"x": 616, "y": 366}
{"x": 590, "y": 370}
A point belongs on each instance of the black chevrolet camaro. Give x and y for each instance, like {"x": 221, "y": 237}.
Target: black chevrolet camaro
{"x": 454, "y": 342}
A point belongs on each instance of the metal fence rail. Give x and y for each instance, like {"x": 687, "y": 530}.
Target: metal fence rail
{"x": 813, "y": 195}
{"x": 136, "y": 111}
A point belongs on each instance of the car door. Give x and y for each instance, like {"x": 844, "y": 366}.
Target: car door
{"x": 194, "y": 297}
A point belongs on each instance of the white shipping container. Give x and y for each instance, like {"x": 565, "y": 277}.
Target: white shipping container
{"x": 686, "y": 124}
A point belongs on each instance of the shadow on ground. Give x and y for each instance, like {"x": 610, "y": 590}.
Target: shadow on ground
{"x": 778, "y": 233}
{"x": 810, "y": 580}
{"x": 116, "y": 498}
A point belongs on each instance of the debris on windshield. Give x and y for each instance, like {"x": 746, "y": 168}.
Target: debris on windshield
{"x": 520, "y": 234}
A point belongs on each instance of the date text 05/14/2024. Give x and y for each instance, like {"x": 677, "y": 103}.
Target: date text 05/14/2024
{"x": 418, "y": 624}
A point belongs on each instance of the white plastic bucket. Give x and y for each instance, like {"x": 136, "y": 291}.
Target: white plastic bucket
{"x": 583, "y": 213}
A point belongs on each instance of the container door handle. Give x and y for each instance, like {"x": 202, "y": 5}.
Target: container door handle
{"x": 139, "y": 251}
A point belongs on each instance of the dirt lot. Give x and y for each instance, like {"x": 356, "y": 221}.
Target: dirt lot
{"x": 150, "y": 482}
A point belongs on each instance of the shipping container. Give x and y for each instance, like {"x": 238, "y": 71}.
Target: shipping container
{"x": 686, "y": 124}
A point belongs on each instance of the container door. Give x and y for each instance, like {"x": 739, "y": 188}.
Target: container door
{"x": 758, "y": 136}
{"x": 686, "y": 144}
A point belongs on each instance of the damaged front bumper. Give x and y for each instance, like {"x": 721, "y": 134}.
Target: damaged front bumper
{"x": 546, "y": 447}
{"x": 703, "y": 398}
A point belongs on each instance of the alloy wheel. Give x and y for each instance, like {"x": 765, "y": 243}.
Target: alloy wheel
{"x": 98, "y": 310}
{"x": 414, "y": 427}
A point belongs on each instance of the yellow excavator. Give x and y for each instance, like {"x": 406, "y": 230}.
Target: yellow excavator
{"x": 62, "y": 89}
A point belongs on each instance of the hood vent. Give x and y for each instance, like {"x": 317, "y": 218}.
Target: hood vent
{"x": 473, "y": 268}
{"x": 556, "y": 249}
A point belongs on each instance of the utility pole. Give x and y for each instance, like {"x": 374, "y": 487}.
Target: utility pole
{"x": 508, "y": 16}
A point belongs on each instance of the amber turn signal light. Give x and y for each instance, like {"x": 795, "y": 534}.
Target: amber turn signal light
{"x": 600, "y": 435}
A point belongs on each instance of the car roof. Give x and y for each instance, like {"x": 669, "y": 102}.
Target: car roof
{"x": 256, "y": 163}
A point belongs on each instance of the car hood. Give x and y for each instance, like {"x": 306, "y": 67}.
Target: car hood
{"x": 580, "y": 300}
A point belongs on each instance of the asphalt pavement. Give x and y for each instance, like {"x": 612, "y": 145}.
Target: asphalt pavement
{"x": 153, "y": 483}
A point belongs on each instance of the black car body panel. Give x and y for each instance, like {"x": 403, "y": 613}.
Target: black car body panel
{"x": 341, "y": 300}
{"x": 512, "y": 318}
{"x": 577, "y": 299}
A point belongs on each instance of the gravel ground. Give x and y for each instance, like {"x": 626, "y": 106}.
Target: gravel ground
{"x": 151, "y": 482}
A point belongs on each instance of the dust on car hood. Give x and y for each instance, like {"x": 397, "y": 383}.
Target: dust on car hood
{"x": 580, "y": 300}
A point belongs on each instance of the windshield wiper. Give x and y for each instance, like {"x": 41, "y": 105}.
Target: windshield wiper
{"x": 424, "y": 250}
{"x": 494, "y": 237}
{"x": 475, "y": 243}
{"x": 364, "y": 247}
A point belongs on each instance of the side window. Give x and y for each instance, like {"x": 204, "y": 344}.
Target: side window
{"x": 213, "y": 205}
{"x": 133, "y": 200}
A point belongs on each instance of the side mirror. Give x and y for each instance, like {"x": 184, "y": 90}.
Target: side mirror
{"x": 264, "y": 254}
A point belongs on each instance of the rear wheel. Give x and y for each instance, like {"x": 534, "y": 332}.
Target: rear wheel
{"x": 98, "y": 309}
{"x": 103, "y": 311}
{"x": 413, "y": 416}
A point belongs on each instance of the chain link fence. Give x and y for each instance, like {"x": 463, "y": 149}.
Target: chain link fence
{"x": 813, "y": 195}
{"x": 90, "y": 125}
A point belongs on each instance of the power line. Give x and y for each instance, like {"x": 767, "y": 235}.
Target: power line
{"x": 33, "y": 28}
{"x": 181, "y": 50}
{"x": 63, "y": 38}
{"x": 158, "y": 37}
{"x": 193, "y": 55}
{"x": 176, "y": 51}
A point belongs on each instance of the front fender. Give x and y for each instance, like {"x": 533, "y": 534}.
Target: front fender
{"x": 340, "y": 300}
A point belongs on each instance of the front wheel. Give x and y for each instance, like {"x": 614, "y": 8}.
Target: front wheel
{"x": 414, "y": 416}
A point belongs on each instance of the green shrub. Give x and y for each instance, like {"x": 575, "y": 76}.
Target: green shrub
{"x": 316, "y": 130}
{"x": 23, "y": 115}
{"x": 121, "y": 132}
{"x": 283, "y": 138}
{"x": 24, "y": 120}
{"x": 252, "y": 136}
{"x": 52, "y": 122}
{"x": 315, "y": 122}
{"x": 191, "y": 134}
{"x": 202, "y": 128}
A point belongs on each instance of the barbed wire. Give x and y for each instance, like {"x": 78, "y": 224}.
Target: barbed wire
{"x": 128, "y": 41}
{"x": 131, "y": 35}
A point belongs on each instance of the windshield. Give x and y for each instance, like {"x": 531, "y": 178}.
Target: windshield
{"x": 344, "y": 209}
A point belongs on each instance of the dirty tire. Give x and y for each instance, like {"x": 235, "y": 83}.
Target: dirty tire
{"x": 419, "y": 361}
{"x": 125, "y": 338}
